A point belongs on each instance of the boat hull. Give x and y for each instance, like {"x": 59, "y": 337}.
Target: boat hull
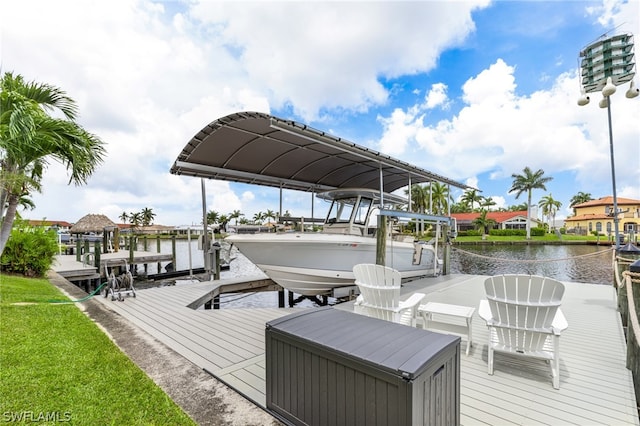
{"x": 314, "y": 263}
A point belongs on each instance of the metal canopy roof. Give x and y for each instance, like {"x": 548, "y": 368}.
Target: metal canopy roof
{"x": 260, "y": 149}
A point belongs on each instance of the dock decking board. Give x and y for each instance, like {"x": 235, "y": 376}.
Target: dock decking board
{"x": 595, "y": 386}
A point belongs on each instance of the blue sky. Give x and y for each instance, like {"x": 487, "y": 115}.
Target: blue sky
{"x": 474, "y": 91}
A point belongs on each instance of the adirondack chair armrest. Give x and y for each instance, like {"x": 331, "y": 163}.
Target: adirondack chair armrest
{"x": 485, "y": 311}
{"x": 559, "y": 322}
{"x": 413, "y": 301}
{"x": 408, "y": 309}
{"x": 358, "y": 305}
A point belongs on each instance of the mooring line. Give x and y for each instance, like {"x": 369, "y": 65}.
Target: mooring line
{"x": 502, "y": 259}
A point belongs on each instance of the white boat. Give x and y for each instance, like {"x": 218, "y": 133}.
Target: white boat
{"x": 315, "y": 263}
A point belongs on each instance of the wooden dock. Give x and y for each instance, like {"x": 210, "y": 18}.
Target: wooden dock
{"x": 73, "y": 270}
{"x": 595, "y": 385}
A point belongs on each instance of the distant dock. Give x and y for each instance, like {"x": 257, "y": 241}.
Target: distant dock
{"x": 86, "y": 274}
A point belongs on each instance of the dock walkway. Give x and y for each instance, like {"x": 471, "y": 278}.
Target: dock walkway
{"x": 595, "y": 386}
{"x": 73, "y": 270}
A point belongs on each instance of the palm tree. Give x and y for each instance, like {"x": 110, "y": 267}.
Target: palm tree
{"x": 527, "y": 182}
{"x": 517, "y": 207}
{"x": 483, "y": 223}
{"x": 286, "y": 214}
{"x": 124, "y": 217}
{"x": 440, "y": 197}
{"x": 420, "y": 195}
{"x": 487, "y": 202}
{"x": 470, "y": 197}
{"x": 257, "y": 218}
{"x": 135, "y": 219}
{"x": 147, "y": 216}
{"x": 419, "y": 198}
{"x": 270, "y": 214}
{"x": 459, "y": 207}
{"x": 212, "y": 217}
{"x": 235, "y": 215}
{"x": 223, "y": 220}
{"x": 29, "y": 136}
{"x": 549, "y": 208}
{"x": 579, "y": 198}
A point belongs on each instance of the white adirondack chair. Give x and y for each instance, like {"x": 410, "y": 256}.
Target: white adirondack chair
{"x": 380, "y": 295}
{"x": 524, "y": 318}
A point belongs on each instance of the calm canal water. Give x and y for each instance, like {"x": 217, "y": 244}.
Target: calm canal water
{"x": 577, "y": 263}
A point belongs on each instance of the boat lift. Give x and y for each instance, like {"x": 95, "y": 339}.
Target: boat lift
{"x": 118, "y": 286}
{"x": 449, "y": 223}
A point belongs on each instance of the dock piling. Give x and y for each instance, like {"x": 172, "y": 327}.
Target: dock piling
{"x": 96, "y": 254}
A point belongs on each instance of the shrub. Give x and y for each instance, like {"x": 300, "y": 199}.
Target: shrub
{"x": 538, "y": 232}
{"x": 508, "y": 232}
{"x": 30, "y": 250}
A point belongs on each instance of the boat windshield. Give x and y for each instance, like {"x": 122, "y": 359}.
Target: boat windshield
{"x": 343, "y": 209}
{"x": 362, "y": 211}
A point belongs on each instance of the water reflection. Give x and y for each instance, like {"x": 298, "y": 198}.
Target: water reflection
{"x": 577, "y": 263}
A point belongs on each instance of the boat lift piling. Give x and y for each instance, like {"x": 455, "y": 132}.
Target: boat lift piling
{"x": 439, "y": 221}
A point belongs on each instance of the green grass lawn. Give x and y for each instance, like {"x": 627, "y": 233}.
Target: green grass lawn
{"x": 57, "y": 365}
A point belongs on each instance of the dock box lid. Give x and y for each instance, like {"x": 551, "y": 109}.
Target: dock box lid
{"x": 398, "y": 349}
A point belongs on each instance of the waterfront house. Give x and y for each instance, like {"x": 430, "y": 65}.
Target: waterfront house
{"x": 597, "y": 215}
{"x": 59, "y": 225}
{"x": 504, "y": 220}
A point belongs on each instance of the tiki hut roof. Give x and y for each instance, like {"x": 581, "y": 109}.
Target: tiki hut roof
{"x": 92, "y": 223}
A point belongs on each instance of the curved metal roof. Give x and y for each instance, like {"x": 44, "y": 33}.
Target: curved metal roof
{"x": 260, "y": 149}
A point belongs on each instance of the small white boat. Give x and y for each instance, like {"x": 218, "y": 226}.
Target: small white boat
{"x": 314, "y": 263}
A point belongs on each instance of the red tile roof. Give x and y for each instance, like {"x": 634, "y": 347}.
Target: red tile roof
{"x": 499, "y": 217}
{"x": 607, "y": 201}
{"x": 592, "y": 216}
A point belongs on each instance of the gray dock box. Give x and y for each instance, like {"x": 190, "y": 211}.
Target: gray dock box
{"x": 331, "y": 367}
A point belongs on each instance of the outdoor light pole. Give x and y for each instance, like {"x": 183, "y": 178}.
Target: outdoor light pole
{"x": 607, "y": 63}
{"x": 613, "y": 175}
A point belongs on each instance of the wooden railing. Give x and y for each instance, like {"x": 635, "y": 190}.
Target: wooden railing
{"x": 629, "y": 306}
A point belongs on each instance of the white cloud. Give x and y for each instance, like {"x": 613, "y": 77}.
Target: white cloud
{"x": 314, "y": 56}
{"x": 500, "y": 132}
{"x": 500, "y": 202}
{"x": 472, "y": 181}
{"x": 400, "y": 129}
{"x": 492, "y": 88}
{"x": 437, "y": 96}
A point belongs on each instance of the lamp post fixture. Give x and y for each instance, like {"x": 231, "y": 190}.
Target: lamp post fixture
{"x": 607, "y": 63}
